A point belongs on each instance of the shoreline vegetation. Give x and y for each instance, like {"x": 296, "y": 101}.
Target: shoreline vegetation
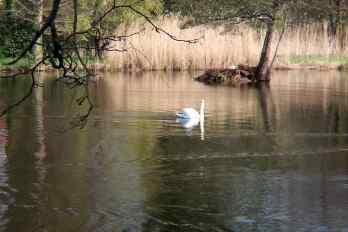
{"x": 221, "y": 47}
{"x": 218, "y": 48}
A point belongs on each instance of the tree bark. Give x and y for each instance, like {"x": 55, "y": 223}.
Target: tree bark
{"x": 39, "y": 48}
{"x": 263, "y": 69}
{"x": 334, "y": 17}
{"x": 8, "y": 8}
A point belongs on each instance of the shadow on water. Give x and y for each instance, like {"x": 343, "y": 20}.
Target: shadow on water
{"x": 274, "y": 157}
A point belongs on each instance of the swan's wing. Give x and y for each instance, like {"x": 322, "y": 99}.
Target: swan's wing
{"x": 190, "y": 112}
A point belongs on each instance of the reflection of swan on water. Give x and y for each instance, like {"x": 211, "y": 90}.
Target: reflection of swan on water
{"x": 188, "y": 123}
{"x": 190, "y": 118}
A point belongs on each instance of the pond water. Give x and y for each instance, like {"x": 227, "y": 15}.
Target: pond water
{"x": 272, "y": 158}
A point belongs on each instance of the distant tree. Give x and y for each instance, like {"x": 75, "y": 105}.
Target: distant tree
{"x": 265, "y": 12}
{"x": 269, "y": 14}
{"x": 16, "y": 27}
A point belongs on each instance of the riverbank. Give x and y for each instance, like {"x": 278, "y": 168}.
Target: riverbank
{"x": 339, "y": 67}
{"x": 100, "y": 68}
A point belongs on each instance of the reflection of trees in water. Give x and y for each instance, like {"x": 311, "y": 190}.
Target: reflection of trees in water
{"x": 268, "y": 112}
{"x": 23, "y": 177}
{"x": 306, "y": 111}
{"x": 267, "y": 106}
{"x": 43, "y": 186}
{"x": 5, "y": 199}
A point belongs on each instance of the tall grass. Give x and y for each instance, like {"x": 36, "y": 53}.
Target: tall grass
{"x": 217, "y": 48}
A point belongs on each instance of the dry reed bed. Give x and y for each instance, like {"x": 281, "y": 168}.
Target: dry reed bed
{"x": 218, "y": 47}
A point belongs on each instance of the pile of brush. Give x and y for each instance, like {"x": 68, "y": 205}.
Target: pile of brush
{"x": 241, "y": 74}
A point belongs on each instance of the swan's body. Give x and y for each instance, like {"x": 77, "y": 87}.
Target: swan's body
{"x": 190, "y": 113}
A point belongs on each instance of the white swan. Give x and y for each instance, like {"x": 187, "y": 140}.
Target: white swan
{"x": 190, "y": 118}
{"x": 190, "y": 113}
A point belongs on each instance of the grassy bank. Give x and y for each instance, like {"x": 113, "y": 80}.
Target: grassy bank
{"x": 319, "y": 59}
{"x": 222, "y": 48}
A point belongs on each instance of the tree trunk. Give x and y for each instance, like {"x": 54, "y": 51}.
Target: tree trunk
{"x": 264, "y": 66}
{"x": 38, "y": 50}
{"x": 8, "y": 8}
{"x": 334, "y": 22}
{"x": 334, "y": 17}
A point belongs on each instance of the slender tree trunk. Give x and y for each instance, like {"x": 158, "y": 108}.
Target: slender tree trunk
{"x": 8, "y": 8}
{"x": 334, "y": 22}
{"x": 264, "y": 66}
{"x": 39, "y": 48}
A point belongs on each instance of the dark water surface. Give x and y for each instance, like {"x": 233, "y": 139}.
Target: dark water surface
{"x": 269, "y": 159}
